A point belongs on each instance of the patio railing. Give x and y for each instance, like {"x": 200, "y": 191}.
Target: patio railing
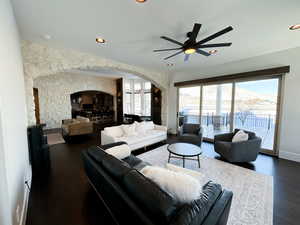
{"x": 266, "y": 121}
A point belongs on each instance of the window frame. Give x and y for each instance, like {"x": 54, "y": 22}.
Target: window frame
{"x": 142, "y": 91}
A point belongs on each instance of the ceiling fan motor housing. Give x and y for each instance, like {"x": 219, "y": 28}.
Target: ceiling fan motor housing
{"x": 188, "y": 34}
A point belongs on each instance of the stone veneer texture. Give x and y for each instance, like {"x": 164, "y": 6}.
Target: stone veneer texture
{"x": 55, "y": 91}
{"x": 41, "y": 60}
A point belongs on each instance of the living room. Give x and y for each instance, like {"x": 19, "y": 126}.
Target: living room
{"x": 157, "y": 118}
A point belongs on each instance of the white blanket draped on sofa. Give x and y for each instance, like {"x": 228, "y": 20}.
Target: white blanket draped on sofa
{"x": 137, "y": 135}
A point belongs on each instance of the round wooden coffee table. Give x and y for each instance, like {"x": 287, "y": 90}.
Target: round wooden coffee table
{"x": 184, "y": 151}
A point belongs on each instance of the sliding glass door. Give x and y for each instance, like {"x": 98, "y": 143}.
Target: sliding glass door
{"x": 256, "y": 109}
{"x": 221, "y": 107}
{"x": 216, "y": 109}
{"x": 189, "y": 105}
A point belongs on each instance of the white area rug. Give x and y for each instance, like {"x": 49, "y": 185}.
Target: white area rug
{"x": 252, "y": 192}
{"x": 55, "y": 138}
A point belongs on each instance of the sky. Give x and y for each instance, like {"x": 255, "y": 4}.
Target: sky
{"x": 265, "y": 87}
{"x": 268, "y": 87}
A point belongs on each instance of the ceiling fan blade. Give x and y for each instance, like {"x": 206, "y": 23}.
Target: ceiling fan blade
{"x": 171, "y": 40}
{"x": 195, "y": 31}
{"x": 177, "y": 53}
{"x": 215, "y": 45}
{"x": 202, "y": 52}
{"x": 162, "y": 50}
{"x": 186, "y": 57}
{"x": 224, "y": 31}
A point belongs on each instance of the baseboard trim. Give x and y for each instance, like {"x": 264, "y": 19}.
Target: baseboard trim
{"x": 26, "y": 198}
{"x": 289, "y": 156}
{"x": 24, "y": 208}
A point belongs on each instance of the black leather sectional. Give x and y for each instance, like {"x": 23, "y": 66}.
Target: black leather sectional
{"x": 132, "y": 198}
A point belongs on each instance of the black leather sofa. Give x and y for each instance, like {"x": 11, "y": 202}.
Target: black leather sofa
{"x": 132, "y": 198}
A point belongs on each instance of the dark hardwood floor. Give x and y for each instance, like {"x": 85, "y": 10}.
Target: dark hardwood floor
{"x": 64, "y": 197}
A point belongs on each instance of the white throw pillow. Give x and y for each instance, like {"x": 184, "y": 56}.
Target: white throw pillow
{"x": 115, "y": 131}
{"x": 181, "y": 187}
{"x": 140, "y": 127}
{"x": 148, "y": 125}
{"x": 120, "y": 151}
{"x": 189, "y": 172}
{"x": 129, "y": 130}
{"x": 240, "y": 136}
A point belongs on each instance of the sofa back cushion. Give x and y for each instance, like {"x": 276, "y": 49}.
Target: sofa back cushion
{"x": 115, "y": 167}
{"x": 190, "y": 128}
{"x": 139, "y": 127}
{"x": 115, "y": 131}
{"x": 83, "y": 119}
{"x": 129, "y": 129}
{"x": 151, "y": 198}
{"x": 148, "y": 125}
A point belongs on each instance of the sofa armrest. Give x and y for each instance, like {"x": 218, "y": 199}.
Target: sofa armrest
{"x": 106, "y": 139}
{"x": 220, "y": 211}
{"x": 107, "y": 146}
{"x": 197, "y": 211}
{"x": 158, "y": 127}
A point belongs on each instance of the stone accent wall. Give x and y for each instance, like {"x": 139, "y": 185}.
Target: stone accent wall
{"x": 55, "y": 91}
{"x": 41, "y": 60}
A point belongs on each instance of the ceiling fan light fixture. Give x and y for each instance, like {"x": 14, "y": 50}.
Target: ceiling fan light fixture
{"x": 189, "y": 51}
{"x": 213, "y": 51}
{"x": 140, "y": 1}
{"x": 100, "y": 40}
{"x": 295, "y": 27}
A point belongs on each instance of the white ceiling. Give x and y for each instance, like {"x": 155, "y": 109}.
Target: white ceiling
{"x": 132, "y": 30}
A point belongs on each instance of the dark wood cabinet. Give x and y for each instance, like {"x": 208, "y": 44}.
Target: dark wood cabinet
{"x": 156, "y": 101}
{"x": 120, "y": 116}
{"x": 95, "y": 105}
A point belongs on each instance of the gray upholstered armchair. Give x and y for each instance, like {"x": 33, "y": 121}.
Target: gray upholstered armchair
{"x": 244, "y": 151}
{"x": 191, "y": 133}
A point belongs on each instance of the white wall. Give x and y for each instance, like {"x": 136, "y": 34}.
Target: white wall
{"x": 289, "y": 132}
{"x": 14, "y": 163}
{"x": 55, "y": 91}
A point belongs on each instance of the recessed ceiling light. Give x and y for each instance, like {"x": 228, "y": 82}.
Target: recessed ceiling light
{"x": 213, "y": 51}
{"x": 140, "y": 1}
{"x": 100, "y": 40}
{"x": 47, "y": 37}
{"x": 190, "y": 51}
{"x": 295, "y": 27}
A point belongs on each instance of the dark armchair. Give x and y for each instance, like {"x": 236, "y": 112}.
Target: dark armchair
{"x": 191, "y": 133}
{"x": 244, "y": 151}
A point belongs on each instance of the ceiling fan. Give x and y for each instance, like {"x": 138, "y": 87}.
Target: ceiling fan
{"x": 191, "y": 45}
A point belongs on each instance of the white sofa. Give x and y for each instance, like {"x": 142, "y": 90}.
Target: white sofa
{"x": 137, "y": 135}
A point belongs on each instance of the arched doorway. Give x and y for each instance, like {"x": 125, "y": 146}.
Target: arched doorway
{"x": 40, "y": 60}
